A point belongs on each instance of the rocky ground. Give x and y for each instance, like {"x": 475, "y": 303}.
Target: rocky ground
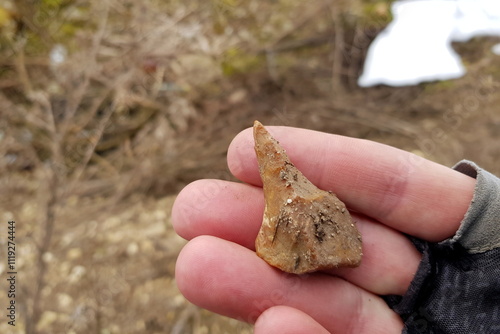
{"x": 91, "y": 192}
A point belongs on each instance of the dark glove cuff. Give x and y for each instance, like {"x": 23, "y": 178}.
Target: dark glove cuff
{"x": 457, "y": 286}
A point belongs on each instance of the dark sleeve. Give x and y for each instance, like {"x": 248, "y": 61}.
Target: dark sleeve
{"x": 457, "y": 286}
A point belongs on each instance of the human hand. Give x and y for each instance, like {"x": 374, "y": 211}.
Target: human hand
{"x": 389, "y": 192}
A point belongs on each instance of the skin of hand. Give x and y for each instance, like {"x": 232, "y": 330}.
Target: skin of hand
{"x": 388, "y": 191}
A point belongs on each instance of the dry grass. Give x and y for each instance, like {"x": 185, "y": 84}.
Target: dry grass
{"x": 94, "y": 148}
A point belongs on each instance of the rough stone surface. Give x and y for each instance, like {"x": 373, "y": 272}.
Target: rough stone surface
{"x": 304, "y": 229}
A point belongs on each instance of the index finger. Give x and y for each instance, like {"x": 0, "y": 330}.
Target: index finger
{"x": 397, "y": 188}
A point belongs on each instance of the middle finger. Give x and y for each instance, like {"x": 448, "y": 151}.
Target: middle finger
{"x": 233, "y": 211}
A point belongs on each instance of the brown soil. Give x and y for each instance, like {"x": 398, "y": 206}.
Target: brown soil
{"x": 109, "y": 262}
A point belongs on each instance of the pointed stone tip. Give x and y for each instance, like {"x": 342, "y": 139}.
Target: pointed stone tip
{"x": 260, "y": 134}
{"x": 258, "y": 127}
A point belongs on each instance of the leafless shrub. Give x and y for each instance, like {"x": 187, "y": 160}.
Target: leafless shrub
{"x": 102, "y": 102}
{"x": 83, "y": 119}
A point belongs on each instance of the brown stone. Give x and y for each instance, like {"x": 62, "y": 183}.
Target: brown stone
{"x": 304, "y": 229}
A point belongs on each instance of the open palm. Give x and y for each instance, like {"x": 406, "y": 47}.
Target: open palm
{"x": 389, "y": 192}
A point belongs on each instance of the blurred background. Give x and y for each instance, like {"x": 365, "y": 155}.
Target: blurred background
{"x": 108, "y": 108}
